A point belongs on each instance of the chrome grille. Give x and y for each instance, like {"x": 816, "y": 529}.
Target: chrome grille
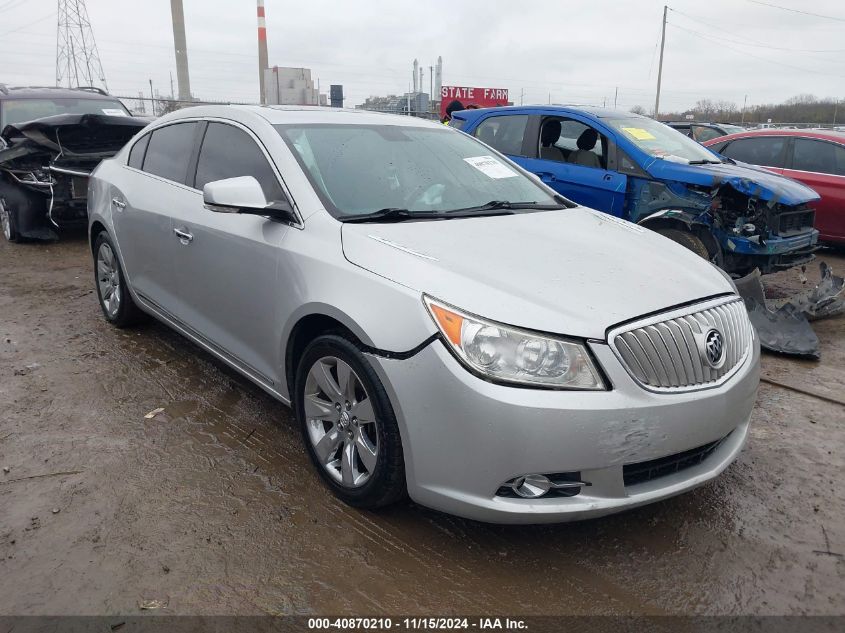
{"x": 667, "y": 352}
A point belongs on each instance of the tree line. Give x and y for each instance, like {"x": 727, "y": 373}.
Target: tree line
{"x": 804, "y": 108}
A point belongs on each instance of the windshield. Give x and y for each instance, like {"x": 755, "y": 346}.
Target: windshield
{"x": 362, "y": 169}
{"x": 661, "y": 141}
{"x": 732, "y": 129}
{"x": 20, "y": 110}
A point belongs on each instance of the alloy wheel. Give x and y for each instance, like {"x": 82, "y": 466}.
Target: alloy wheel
{"x": 341, "y": 423}
{"x": 5, "y": 222}
{"x": 108, "y": 280}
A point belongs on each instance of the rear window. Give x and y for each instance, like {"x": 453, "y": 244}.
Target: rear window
{"x": 136, "y": 154}
{"x": 14, "y": 111}
{"x": 169, "y": 151}
{"x": 505, "y": 133}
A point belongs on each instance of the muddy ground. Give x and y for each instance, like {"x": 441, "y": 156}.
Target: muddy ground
{"x": 213, "y": 508}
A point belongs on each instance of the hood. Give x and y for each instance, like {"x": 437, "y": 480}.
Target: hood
{"x": 75, "y": 133}
{"x": 572, "y": 272}
{"x": 747, "y": 179}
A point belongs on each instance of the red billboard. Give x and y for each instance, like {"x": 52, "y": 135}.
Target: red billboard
{"x": 479, "y": 97}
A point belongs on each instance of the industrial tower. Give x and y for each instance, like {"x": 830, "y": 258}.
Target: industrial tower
{"x": 77, "y": 59}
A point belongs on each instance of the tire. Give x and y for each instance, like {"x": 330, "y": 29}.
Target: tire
{"x": 8, "y": 223}
{"x": 112, "y": 292}
{"x": 344, "y": 457}
{"x": 687, "y": 240}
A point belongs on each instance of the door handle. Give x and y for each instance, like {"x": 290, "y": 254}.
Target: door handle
{"x": 120, "y": 204}
{"x": 608, "y": 177}
{"x": 184, "y": 236}
{"x": 546, "y": 176}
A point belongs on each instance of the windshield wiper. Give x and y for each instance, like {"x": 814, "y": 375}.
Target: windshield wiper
{"x": 390, "y": 214}
{"x": 705, "y": 162}
{"x": 505, "y": 205}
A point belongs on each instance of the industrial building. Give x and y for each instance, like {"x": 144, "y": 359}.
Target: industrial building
{"x": 291, "y": 86}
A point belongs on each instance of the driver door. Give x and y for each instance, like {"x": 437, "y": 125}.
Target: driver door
{"x": 596, "y": 187}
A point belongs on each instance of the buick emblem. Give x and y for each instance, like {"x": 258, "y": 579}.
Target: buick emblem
{"x": 714, "y": 348}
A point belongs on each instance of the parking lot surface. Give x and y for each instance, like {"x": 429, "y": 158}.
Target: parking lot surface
{"x": 212, "y": 507}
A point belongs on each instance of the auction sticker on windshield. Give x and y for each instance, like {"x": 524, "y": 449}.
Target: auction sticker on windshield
{"x": 491, "y": 167}
{"x": 639, "y": 133}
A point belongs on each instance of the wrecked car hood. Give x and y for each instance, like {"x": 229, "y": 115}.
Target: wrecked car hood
{"x": 573, "y": 272}
{"x": 70, "y": 134}
{"x": 747, "y": 179}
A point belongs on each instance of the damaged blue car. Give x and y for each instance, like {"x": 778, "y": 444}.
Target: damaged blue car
{"x": 738, "y": 216}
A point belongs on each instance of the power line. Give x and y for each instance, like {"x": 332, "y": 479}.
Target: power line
{"x": 771, "y": 61}
{"x": 815, "y": 15}
{"x": 759, "y": 43}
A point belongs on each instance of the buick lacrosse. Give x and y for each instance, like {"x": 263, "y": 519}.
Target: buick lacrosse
{"x": 444, "y": 325}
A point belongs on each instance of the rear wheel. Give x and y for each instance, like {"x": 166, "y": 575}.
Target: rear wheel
{"x": 687, "y": 240}
{"x": 7, "y": 223}
{"x": 115, "y": 300}
{"x": 348, "y": 424}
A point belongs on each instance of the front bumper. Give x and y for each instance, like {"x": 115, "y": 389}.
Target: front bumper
{"x": 463, "y": 437}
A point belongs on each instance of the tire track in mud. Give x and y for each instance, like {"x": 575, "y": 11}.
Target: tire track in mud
{"x": 586, "y": 585}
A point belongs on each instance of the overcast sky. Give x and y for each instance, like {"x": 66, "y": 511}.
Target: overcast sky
{"x": 569, "y": 51}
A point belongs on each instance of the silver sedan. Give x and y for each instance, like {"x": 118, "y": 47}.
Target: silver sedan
{"x": 443, "y": 324}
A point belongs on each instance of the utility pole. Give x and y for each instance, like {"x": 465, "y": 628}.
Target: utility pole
{"x": 835, "y": 107}
{"x": 660, "y": 67}
{"x": 182, "y": 78}
{"x": 615, "y": 97}
{"x": 152, "y": 99}
{"x": 521, "y": 95}
{"x": 744, "y": 103}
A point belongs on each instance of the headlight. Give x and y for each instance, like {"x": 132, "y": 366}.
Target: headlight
{"x": 512, "y": 355}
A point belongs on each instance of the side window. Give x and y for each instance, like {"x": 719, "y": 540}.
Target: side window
{"x": 570, "y": 141}
{"x": 702, "y": 134}
{"x": 229, "y": 152}
{"x": 818, "y": 156}
{"x": 760, "y": 150}
{"x": 505, "y": 133}
{"x": 169, "y": 151}
{"x": 136, "y": 154}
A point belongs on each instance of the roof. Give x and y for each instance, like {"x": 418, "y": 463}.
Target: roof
{"x": 50, "y": 92}
{"x": 594, "y": 111}
{"x": 279, "y": 115}
{"x": 828, "y": 135}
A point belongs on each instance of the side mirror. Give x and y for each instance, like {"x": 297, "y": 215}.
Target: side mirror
{"x": 244, "y": 195}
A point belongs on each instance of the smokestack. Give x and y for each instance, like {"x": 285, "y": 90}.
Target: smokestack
{"x": 416, "y": 74}
{"x": 178, "y": 15}
{"x": 438, "y": 79}
{"x": 262, "y": 50}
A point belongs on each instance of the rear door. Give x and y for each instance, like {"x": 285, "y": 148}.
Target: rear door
{"x": 598, "y": 186}
{"x": 226, "y": 264}
{"x": 820, "y": 164}
{"x": 144, "y": 196}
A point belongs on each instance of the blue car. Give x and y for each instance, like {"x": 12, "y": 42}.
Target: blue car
{"x": 633, "y": 167}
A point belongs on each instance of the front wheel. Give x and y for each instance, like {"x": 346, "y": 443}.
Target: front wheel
{"x": 116, "y": 302}
{"x": 348, "y": 424}
{"x": 8, "y": 223}
{"x": 687, "y": 240}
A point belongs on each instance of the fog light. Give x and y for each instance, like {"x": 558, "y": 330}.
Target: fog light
{"x": 531, "y": 486}
{"x": 538, "y": 485}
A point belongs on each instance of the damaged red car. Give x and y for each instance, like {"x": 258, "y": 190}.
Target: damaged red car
{"x": 51, "y": 139}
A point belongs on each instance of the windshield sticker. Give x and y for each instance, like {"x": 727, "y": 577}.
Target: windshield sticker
{"x": 114, "y": 112}
{"x": 491, "y": 167}
{"x": 639, "y": 133}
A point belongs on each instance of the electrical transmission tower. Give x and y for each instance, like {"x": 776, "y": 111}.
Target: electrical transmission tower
{"x": 77, "y": 59}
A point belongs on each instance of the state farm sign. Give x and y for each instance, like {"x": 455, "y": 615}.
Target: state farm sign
{"x": 481, "y": 97}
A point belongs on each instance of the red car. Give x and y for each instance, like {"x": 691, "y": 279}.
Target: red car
{"x": 814, "y": 157}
